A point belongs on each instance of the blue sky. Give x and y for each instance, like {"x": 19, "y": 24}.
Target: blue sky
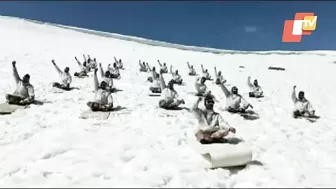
{"x": 236, "y": 25}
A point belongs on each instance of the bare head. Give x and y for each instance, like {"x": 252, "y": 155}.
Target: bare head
{"x": 191, "y": 66}
{"x": 119, "y": 60}
{"x": 219, "y": 73}
{"x": 203, "y": 79}
{"x": 301, "y": 95}
{"x": 153, "y": 68}
{"x": 234, "y": 90}
{"x": 209, "y": 102}
{"x": 26, "y": 79}
{"x": 176, "y": 72}
{"x": 164, "y": 64}
{"x": 66, "y": 70}
{"x": 255, "y": 82}
{"x": 171, "y": 84}
{"x": 107, "y": 74}
{"x": 114, "y": 65}
{"x": 206, "y": 70}
{"x": 103, "y": 85}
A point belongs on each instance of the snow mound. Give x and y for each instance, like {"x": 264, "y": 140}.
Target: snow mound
{"x": 143, "y": 146}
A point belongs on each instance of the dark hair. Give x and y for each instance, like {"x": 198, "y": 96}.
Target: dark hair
{"x": 208, "y": 98}
{"x": 26, "y": 76}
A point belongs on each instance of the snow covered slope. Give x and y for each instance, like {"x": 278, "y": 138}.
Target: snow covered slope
{"x": 142, "y": 146}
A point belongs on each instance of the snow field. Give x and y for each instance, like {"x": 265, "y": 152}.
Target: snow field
{"x": 142, "y": 146}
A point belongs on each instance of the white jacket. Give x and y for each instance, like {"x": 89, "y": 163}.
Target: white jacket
{"x": 109, "y": 81}
{"x": 65, "y": 77}
{"x": 253, "y": 88}
{"x": 234, "y": 101}
{"x": 156, "y": 83}
{"x": 301, "y": 105}
{"x": 210, "y": 122}
{"x": 85, "y": 69}
{"x": 113, "y": 70}
{"x": 176, "y": 77}
{"x": 220, "y": 77}
{"x": 25, "y": 91}
{"x": 201, "y": 89}
{"x": 192, "y": 70}
{"x": 169, "y": 95}
{"x": 102, "y": 97}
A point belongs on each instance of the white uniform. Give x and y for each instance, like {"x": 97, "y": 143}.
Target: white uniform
{"x": 102, "y": 97}
{"x": 256, "y": 90}
{"x": 65, "y": 77}
{"x": 25, "y": 91}
{"x": 235, "y": 101}
{"x": 211, "y": 124}
{"x": 201, "y": 89}
{"x": 301, "y": 105}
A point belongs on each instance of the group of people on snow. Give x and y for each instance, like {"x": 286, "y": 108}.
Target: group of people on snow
{"x": 212, "y": 127}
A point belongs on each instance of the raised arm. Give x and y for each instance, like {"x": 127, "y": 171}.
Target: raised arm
{"x": 95, "y": 80}
{"x": 79, "y": 63}
{"x": 57, "y": 68}
{"x": 294, "y": 99}
{"x": 216, "y": 74}
{"x": 249, "y": 84}
{"x": 202, "y": 68}
{"x": 148, "y": 67}
{"x": 188, "y": 65}
{"x": 84, "y": 57}
{"x": 115, "y": 60}
{"x": 15, "y": 73}
{"x": 196, "y": 111}
{"x": 224, "y": 89}
{"x": 159, "y": 63}
{"x": 101, "y": 70}
{"x": 140, "y": 64}
{"x": 171, "y": 70}
{"x": 162, "y": 81}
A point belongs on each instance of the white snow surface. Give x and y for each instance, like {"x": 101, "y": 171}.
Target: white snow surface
{"x": 141, "y": 146}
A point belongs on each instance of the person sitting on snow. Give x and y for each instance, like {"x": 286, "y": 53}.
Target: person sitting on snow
{"x": 205, "y": 73}
{"x": 256, "y": 90}
{"x": 176, "y": 76}
{"x": 119, "y": 63}
{"x": 65, "y": 77}
{"x": 153, "y": 75}
{"x": 155, "y": 87}
{"x": 84, "y": 69}
{"x": 170, "y": 99}
{"x": 24, "y": 93}
{"x": 163, "y": 67}
{"x": 235, "y": 103}
{"x": 107, "y": 78}
{"x": 103, "y": 100}
{"x": 192, "y": 71}
{"x": 115, "y": 73}
{"x": 93, "y": 63}
{"x": 212, "y": 127}
{"x": 302, "y": 106}
{"x": 219, "y": 77}
{"x": 201, "y": 88}
{"x": 143, "y": 67}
